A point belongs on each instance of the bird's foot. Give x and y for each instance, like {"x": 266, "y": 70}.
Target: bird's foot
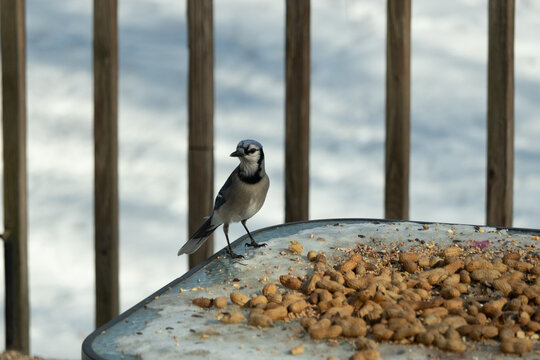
{"x": 254, "y": 244}
{"x": 234, "y": 255}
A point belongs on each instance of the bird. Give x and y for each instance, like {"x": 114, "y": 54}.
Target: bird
{"x": 241, "y": 197}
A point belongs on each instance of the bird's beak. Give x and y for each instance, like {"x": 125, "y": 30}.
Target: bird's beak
{"x": 237, "y": 154}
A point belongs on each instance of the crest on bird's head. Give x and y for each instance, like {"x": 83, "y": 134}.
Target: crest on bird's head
{"x": 248, "y": 149}
{"x": 249, "y": 144}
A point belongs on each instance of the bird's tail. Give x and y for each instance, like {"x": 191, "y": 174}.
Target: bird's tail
{"x": 200, "y": 236}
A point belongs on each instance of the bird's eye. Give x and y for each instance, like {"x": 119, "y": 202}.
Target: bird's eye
{"x": 251, "y": 151}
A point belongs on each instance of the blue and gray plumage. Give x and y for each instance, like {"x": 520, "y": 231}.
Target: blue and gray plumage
{"x": 241, "y": 197}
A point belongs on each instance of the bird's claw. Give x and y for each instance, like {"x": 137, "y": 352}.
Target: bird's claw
{"x": 235, "y": 255}
{"x": 254, "y": 244}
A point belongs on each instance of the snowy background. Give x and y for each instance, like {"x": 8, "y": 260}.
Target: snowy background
{"x": 448, "y": 141}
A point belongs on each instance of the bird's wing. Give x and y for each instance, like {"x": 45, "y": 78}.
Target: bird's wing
{"x": 220, "y": 198}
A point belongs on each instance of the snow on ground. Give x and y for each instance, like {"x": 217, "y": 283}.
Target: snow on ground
{"x": 448, "y": 123}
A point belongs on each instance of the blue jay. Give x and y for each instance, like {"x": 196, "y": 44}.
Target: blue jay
{"x": 241, "y": 197}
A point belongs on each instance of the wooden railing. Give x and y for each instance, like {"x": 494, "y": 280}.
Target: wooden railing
{"x": 200, "y": 143}
{"x": 297, "y": 76}
{"x": 200, "y": 119}
{"x": 12, "y": 28}
{"x": 106, "y": 159}
{"x": 398, "y": 100}
{"x": 500, "y": 118}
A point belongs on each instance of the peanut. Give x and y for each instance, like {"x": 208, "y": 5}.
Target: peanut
{"x": 423, "y": 261}
{"x": 511, "y": 255}
{"x": 520, "y": 266}
{"x": 516, "y": 346}
{"x": 450, "y": 292}
{"x": 239, "y": 298}
{"x": 455, "y": 345}
{"x": 366, "y": 355}
{"x": 231, "y": 318}
{"x": 427, "y": 337}
{"x": 365, "y": 344}
{"x": 454, "y": 266}
{"x": 453, "y": 304}
{"x": 270, "y": 289}
{"x": 311, "y": 255}
{"x": 310, "y": 284}
{"x": 352, "y": 327}
{"x": 502, "y": 285}
{"x": 351, "y": 264}
{"x": 341, "y": 311}
{"x": 291, "y": 282}
{"x": 441, "y": 311}
{"x": 464, "y": 277}
{"x": 410, "y": 266}
{"x": 258, "y": 300}
{"x": 260, "y": 320}
{"x": 220, "y": 302}
{"x": 357, "y": 283}
{"x": 533, "y": 326}
{"x": 451, "y": 251}
{"x": 454, "y": 322}
{"x": 324, "y": 330}
{"x": 298, "y": 306}
{"x": 382, "y": 332}
{"x": 330, "y": 285}
{"x": 407, "y": 331}
{"x": 499, "y": 265}
{"x": 307, "y": 322}
{"x": 274, "y": 298}
{"x": 494, "y": 307}
{"x": 489, "y": 332}
{"x": 434, "y": 276}
{"x": 477, "y": 264}
{"x": 485, "y": 275}
{"x": 288, "y": 299}
{"x": 408, "y": 256}
{"x": 202, "y": 302}
{"x": 277, "y": 313}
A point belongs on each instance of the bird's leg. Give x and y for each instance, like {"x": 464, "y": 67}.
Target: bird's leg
{"x": 252, "y": 243}
{"x": 229, "y": 250}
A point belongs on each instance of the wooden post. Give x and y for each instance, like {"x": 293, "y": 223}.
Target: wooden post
{"x": 398, "y": 75}
{"x": 201, "y": 120}
{"x": 14, "y": 148}
{"x": 500, "y": 122}
{"x": 297, "y": 79}
{"x": 106, "y": 158}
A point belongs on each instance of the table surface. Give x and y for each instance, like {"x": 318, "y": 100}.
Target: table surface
{"x": 166, "y": 325}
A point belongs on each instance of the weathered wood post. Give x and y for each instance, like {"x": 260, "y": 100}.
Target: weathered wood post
{"x": 106, "y": 159}
{"x": 297, "y": 83}
{"x": 398, "y": 75}
{"x": 500, "y": 118}
{"x": 14, "y": 147}
{"x": 200, "y": 120}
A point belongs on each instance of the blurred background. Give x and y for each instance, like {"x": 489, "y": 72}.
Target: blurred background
{"x": 448, "y": 132}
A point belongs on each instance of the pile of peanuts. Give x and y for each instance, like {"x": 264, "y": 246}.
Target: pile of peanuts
{"x": 446, "y": 298}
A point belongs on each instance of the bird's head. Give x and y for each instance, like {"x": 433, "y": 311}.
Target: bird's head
{"x": 250, "y": 153}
